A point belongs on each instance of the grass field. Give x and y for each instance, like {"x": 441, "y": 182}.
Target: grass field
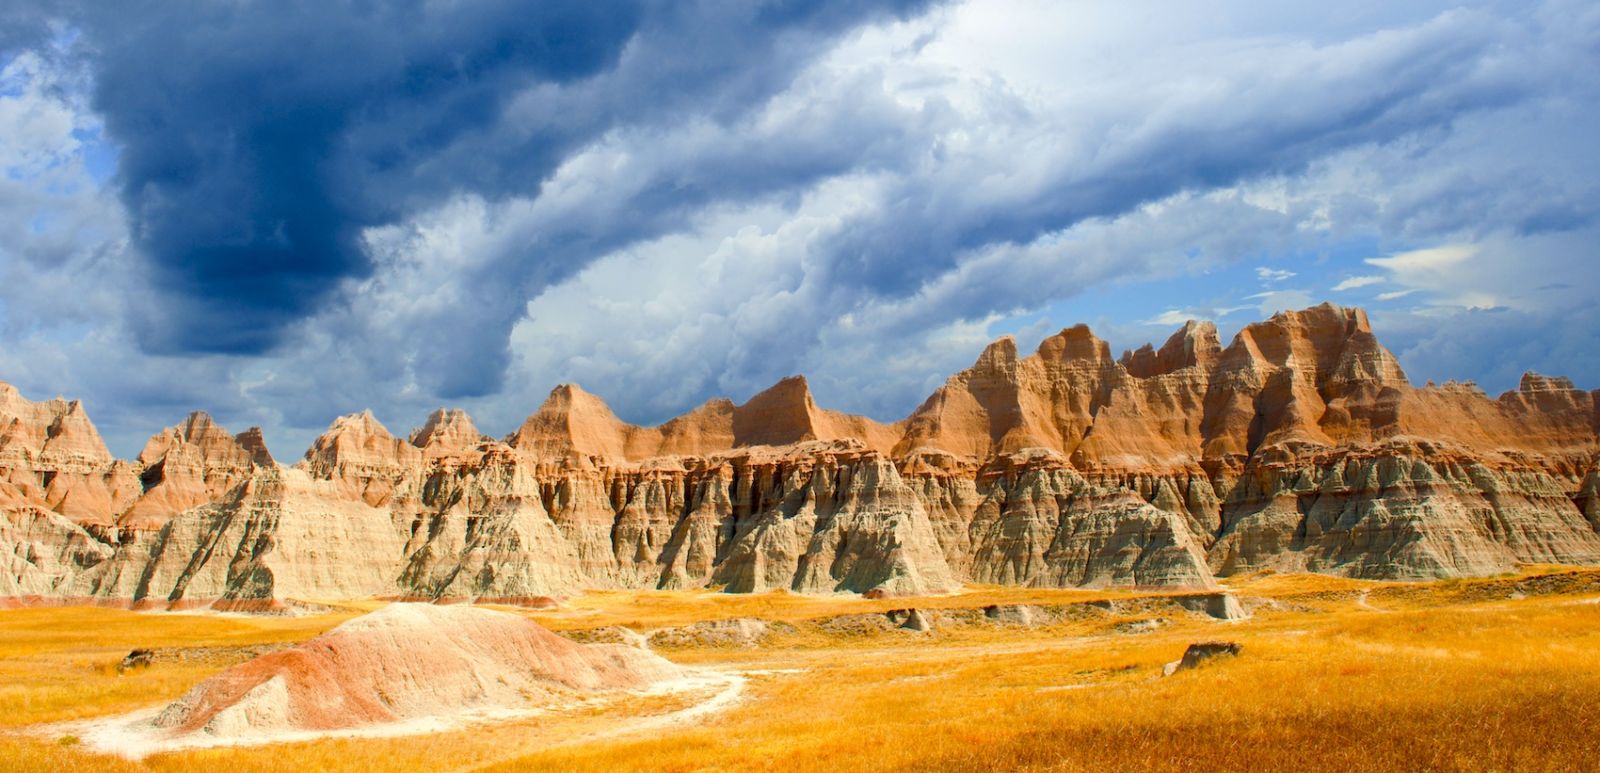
{"x": 1494, "y": 674}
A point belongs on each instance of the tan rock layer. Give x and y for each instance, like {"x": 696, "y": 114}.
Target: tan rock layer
{"x": 1299, "y": 446}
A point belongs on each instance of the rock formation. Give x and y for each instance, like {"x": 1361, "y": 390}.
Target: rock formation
{"x": 190, "y": 465}
{"x": 407, "y": 662}
{"x": 1300, "y": 446}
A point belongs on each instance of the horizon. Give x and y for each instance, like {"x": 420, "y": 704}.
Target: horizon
{"x": 401, "y": 432}
{"x": 280, "y": 216}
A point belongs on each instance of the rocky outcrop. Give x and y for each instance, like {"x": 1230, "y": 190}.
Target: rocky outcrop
{"x": 786, "y": 414}
{"x": 574, "y": 423}
{"x": 1201, "y": 652}
{"x": 1298, "y": 446}
{"x": 406, "y": 662}
{"x": 448, "y": 433}
{"x": 190, "y": 465}
{"x": 279, "y": 535}
{"x": 829, "y": 519}
{"x": 1400, "y": 511}
{"x": 52, "y": 457}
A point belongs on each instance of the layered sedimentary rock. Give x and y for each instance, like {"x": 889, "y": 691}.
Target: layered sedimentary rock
{"x": 574, "y": 423}
{"x": 1299, "y": 446}
{"x": 407, "y": 662}
{"x": 52, "y": 458}
{"x": 192, "y": 464}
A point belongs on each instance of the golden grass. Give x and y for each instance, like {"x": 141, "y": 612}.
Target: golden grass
{"x": 59, "y": 664}
{"x": 1455, "y": 678}
{"x": 1268, "y": 583}
{"x": 653, "y": 609}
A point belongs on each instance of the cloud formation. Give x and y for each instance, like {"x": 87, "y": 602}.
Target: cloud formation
{"x": 1357, "y": 282}
{"x": 258, "y": 141}
{"x": 319, "y": 208}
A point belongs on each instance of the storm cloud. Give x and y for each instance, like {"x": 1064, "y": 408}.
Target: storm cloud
{"x": 282, "y": 211}
{"x": 258, "y": 140}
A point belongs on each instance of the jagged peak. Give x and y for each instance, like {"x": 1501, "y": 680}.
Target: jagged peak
{"x": 569, "y": 399}
{"x": 568, "y": 391}
{"x": 363, "y": 423}
{"x": 778, "y": 415}
{"x": 13, "y": 403}
{"x": 999, "y": 354}
{"x": 1551, "y": 394}
{"x": 255, "y": 444}
{"x": 197, "y": 429}
{"x": 794, "y": 388}
{"x": 1196, "y": 343}
{"x": 447, "y": 427}
{"x": 1320, "y": 337}
{"x": 1454, "y": 386}
{"x": 73, "y": 432}
{"x": 571, "y": 420}
{"x": 1358, "y": 320}
{"x": 1196, "y": 336}
{"x": 196, "y": 422}
{"x": 1146, "y": 351}
{"x": 1074, "y": 343}
{"x": 1533, "y": 381}
{"x": 358, "y": 439}
{"x": 1353, "y": 318}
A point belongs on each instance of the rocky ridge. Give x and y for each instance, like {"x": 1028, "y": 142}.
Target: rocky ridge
{"x": 1300, "y": 446}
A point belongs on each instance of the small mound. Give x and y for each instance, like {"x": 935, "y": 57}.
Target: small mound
{"x": 407, "y": 662}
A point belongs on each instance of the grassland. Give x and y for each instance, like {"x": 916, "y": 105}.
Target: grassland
{"x": 1495, "y": 674}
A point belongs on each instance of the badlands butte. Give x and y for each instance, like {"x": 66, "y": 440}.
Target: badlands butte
{"x": 1298, "y": 446}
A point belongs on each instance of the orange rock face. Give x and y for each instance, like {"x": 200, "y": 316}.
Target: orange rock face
{"x": 574, "y": 423}
{"x": 1300, "y": 445}
{"x": 52, "y": 458}
{"x": 190, "y": 465}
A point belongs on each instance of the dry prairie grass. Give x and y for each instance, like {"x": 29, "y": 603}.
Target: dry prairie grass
{"x": 1449, "y": 677}
{"x": 654, "y": 609}
{"x": 60, "y": 664}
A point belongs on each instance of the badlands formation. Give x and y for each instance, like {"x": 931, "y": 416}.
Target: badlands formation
{"x": 407, "y": 663}
{"x": 1300, "y": 446}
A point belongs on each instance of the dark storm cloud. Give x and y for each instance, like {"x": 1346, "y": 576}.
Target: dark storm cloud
{"x": 258, "y": 140}
{"x": 687, "y": 152}
{"x": 396, "y": 205}
{"x": 731, "y": 162}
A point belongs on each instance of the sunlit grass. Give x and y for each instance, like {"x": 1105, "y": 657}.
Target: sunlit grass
{"x": 59, "y": 664}
{"x": 1453, "y": 676}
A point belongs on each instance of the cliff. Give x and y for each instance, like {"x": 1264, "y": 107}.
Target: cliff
{"x": 1299, "y": 446}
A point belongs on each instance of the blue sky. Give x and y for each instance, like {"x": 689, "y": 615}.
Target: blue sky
{"x": 282, "y": 212}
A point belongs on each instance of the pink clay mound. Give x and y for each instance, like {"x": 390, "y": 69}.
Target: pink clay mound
{"x": 409, "y": 662}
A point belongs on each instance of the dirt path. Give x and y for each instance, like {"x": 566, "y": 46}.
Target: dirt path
{"x": 729, "y": 686}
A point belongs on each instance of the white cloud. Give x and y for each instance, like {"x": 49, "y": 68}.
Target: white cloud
{"x": 994, "y": 126}
{"x": 1427, "y": 261}
{"x": 1355, "y": 282}
{"x": 1169, "y": 317}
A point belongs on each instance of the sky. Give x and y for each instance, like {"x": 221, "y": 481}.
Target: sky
{"x": 281, "y": 212}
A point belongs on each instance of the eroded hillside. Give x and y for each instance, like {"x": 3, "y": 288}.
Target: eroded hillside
{"x": 1300, "y": 445}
